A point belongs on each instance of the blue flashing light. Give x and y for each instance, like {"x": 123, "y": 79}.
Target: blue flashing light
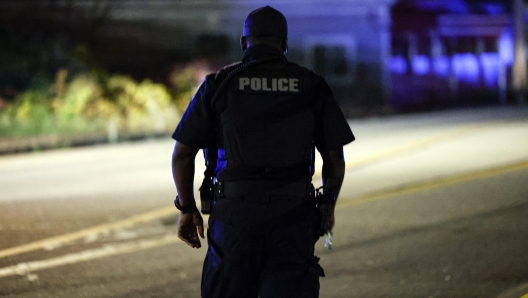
{"x": 456, "y": 6}
{"x": 506, "y": 47}
{"x": 397, "y": 64}
{"x": 490, "y": 67}
{"x": 466, "y": 67}
{"x": 493, "y": 8}
{"x": 441, "y": 66}
{"x": 421, "y": 65}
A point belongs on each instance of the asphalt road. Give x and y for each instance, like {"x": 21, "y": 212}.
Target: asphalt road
{"x": 434, "y": 205}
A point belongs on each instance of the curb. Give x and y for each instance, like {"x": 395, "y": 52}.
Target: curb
{"x": 18, "y": 145}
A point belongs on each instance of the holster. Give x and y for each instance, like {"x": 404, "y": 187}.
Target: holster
{"x": 207, "y": 187}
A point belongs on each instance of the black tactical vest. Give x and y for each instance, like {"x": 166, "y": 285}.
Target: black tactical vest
{"x": 266, "y": 124}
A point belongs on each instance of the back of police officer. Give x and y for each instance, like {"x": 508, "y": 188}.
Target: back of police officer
{"x": 263, "y": 116}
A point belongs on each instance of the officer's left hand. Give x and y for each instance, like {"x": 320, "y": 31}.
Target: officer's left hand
{"x": 189, "y": 226}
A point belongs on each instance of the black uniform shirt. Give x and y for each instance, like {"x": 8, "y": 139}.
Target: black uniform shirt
{"x": 197, "y": 126}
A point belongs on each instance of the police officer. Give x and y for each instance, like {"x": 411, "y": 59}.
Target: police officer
{"x": 264, "y": 117}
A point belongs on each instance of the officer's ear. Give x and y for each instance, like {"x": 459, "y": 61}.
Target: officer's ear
{"x": 243, "y": 43}
{"x": 284, "y": 45}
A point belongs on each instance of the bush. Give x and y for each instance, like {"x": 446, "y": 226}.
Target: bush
{"x": 83, "y": 105}
{"x": 95, "y": 102}
{"x": 184, "y": 80}
{"x": 140, "y": 107}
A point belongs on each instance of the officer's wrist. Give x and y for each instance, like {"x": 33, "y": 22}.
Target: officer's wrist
{"x": 185, "y": 208}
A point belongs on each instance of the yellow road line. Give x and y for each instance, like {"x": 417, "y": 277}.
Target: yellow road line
{"x": 65, "y": 238}
{"x": 525, "y": 295}
{"x": 414, "y": 145}
{"x": 404, "y": 148}
{"x": 160, "y": 213}
{"x": 432, "y": 184}
{"x": 26, "y": 268}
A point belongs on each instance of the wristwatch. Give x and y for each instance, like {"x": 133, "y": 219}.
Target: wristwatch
{"x": 186, "y": 208}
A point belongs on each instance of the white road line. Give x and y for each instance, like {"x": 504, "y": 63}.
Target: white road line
{"x": 26, "y": 268}
{"x": 104, "y": 228}
{"x": 160, "y": 213}
{"x": 109, "y": 250}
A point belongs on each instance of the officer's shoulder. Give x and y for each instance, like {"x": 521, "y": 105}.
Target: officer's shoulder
{"x": 222, "y": 72}
{"x": 228, "y": 68}
{"x": 231, "y": 66}
{"x": 307, "y": 73}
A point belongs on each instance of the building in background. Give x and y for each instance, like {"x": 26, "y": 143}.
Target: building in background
{"x": 347, "y": 41}
{"x": 377, "y": 55}
{"x": 449, "y": 53}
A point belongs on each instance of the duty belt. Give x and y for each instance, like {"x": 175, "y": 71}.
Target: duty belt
{"x": 263, "y": 191}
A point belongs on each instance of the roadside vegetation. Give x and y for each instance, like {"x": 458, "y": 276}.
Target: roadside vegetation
{"x": 81, "y": 100}
{"x": 89, "y": 102}
{"x": 64, "y": 81}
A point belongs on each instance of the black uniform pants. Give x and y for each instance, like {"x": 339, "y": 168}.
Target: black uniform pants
{"x": 262, "y": 246}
